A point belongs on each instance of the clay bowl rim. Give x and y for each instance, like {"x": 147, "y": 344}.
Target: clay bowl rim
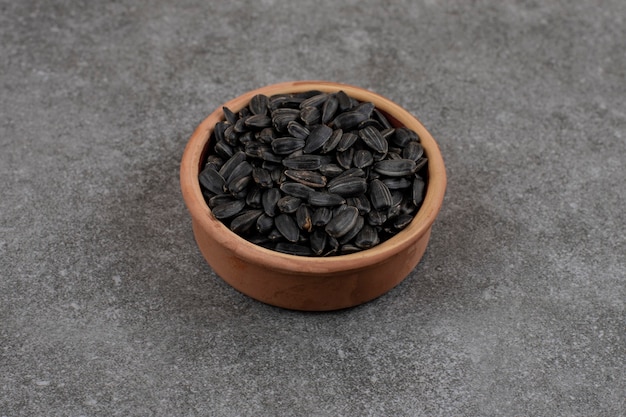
{"x": 302, "y": 265}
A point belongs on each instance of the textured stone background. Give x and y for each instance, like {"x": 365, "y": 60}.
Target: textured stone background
{"x": 108, "y": 309}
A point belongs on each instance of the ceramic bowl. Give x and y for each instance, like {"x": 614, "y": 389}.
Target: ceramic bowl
{"x": 310, "y": 283}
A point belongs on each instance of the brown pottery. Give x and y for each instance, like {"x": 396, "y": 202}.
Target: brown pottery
{"x": 310, "y": 283}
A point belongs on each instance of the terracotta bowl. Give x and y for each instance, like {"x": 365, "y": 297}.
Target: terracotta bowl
{"x": 310, "y": 283}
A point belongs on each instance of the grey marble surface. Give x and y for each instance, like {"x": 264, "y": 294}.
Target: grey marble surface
{"x": 518, "y": 307}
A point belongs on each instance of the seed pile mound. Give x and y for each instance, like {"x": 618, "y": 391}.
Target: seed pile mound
{"x": 313, "y": 174}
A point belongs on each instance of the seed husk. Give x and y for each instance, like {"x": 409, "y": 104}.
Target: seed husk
{"x": 229, "y": 115}
{"x": 280, "y": 121}
{"x": 211, "y": 180}
{"x": 362, "y": 158}
{"x": 402, "y": 221}
{"x": 254, "y": 197}
{"x": 421, "y": 163}
{"x": 220, "y": 128}
{"x": 376, "y": 114}
{"x": 360, "y": 222}
{"x": 228, "y": 209}
{"x": 287, "y": 227}
{"x": 310, "y": 115}
{"x": 329, "y": 108}
{"x": 228, "y": 167}
{"x": 245, "y": 222}
{"x": 348, "y": 186}
{"x": 331, "y": 170}
{"x": 224, "y": 150}
{"x": 288, "y": 204}
{"x": 318, "y": 241}
{"x": 343, "y": 101}
{"x": 349, "y": 248}
{"x": 342, "y": 223}
{"x": 303, "y": 218}
{"x": 379, "y": 194}
{"x": 303, "y": 162}
{"x": 296, "y": 130}
{"x": 333, "y": 141}
{"x": 373, "y": 138}
{"x": 315, "y": 101}
{"x": 366, "y": 108}
{"x": 332, "y": 246}
{"x": 258, "y": 104}
{"x": 324, "y": 199}
{"x": 264, "y": 224}
{"x": 309, "y": 178}
{"x": 367, "y": 237}
{"x": 403, "y": 136}
{"x": 238, "y": 185}
{"x": 397, "y": 183}
{"x": 417, "y": 192}
{"x": 286, "y": 145}
{"x": 413, "y": 150}
{"x": 348, "y": 120}
{"x": 262, "y": 177}
{"x": 296, "y": 189}
{"x": 218, "y": 199}
{"x": 317, "y": 138}
{"x": 376, "y": 217}
{"x": 258, "y": 121}
{"x": 321, "y": 216}
{"x": 395, "y": 167}
{"x": 269, "y": 199}
{"x": 344, "y": 159}
{"x": 241, "y": 170}
{"x": 346, "y": 142}
{"x": 361, "y": 202}
{"x": 293, "y": 249}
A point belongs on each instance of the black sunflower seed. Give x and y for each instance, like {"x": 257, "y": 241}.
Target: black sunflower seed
{"x": 303, "y": 162}
{"x": 323, "y": 199}
{"x": 262, "y": 177}
{"x": 286, "y": 145}
{"x": 211, "y": 180}
{"x": 346, "y": 142}
{"x": 229, "y": 209}
{"x": 296, "y": 130}
{"x": 259, "y": 104}
{"x": 329, "y": 109}
{"x": 296, "y": 189}
{"x": 245, "y": 222}
{"x": 288, "y": 204}
{"x": 317, "y": 138}
{"x": 321, "y": 216}
{"x": 367, "y": 237}
{"x": 287, "y": 227}
{"x": 395, "y": 167}
{"x": 372, "y": 138}
{"x": 342, "y": 223}
{"x": 348, "y": 120}
{"x": 348, "y": 186}
{"x": 303, "y": 218}
{"x": 269, "y": 199}
{"x": 379, "y": 194}
{"x": 264, "y": 224}
{"x": 293, "y": 249}
{"x": 309, "y": 178}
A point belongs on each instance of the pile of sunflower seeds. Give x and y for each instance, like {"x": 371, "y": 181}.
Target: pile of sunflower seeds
{"x": 313, "y": 174}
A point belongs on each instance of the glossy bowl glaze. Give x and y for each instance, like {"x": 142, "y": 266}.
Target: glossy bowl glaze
{"x": 310, "y": 283}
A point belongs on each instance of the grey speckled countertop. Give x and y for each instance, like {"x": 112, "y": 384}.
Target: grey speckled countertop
{"x": 518, "y": 307}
